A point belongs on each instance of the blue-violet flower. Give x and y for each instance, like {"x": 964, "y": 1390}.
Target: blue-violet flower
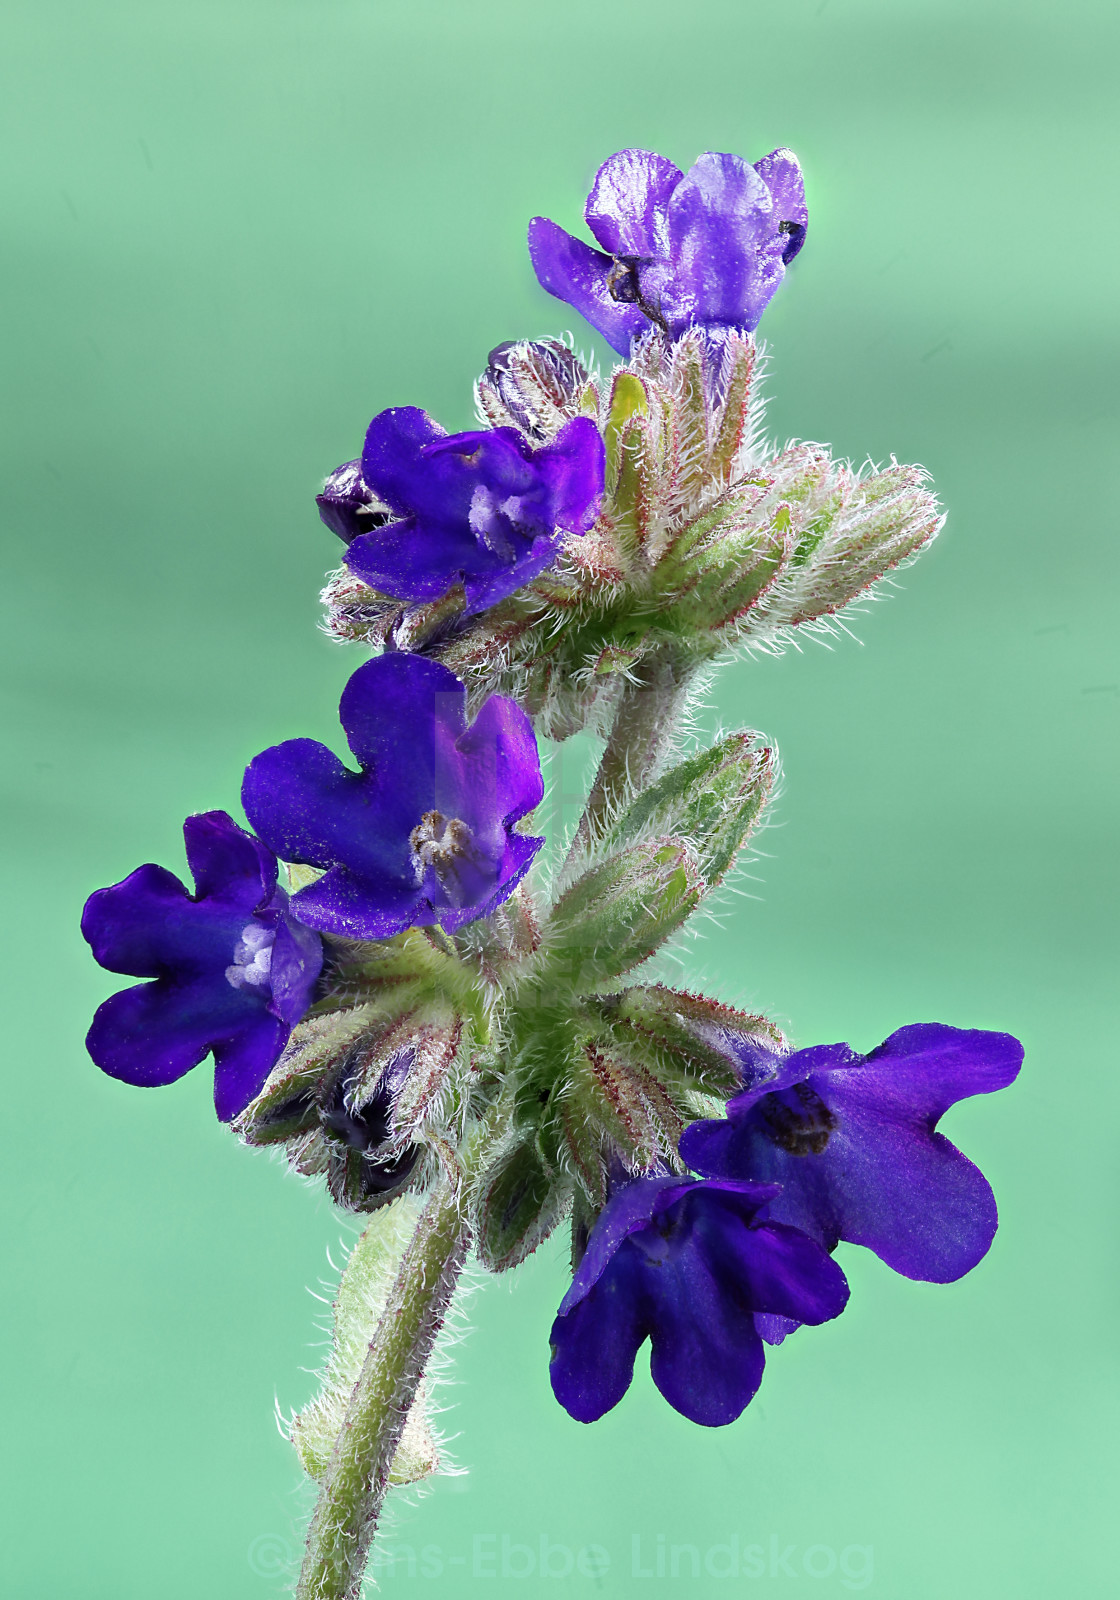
{"x": 233, "y": 972}
{"x": 690, "y": 1265}
{"x": 706, "y": 248}
{"x": 485, "y": 509}
{"x": 852, "y": 1141}
{"x": 424, "y": 833}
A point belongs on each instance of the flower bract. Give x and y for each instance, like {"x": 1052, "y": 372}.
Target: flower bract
{"x": 706, "y": 248}
{"x": 688, "y": 1265}
{"x": 232, "y": 971}
{"x": 485, "y": 509}
{"x": 425, "y": 832}
{"x": 852, "y": 1140}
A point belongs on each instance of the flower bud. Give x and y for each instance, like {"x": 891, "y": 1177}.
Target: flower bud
{"x": 532, "y": 385}
{"x": 713, "y": 799}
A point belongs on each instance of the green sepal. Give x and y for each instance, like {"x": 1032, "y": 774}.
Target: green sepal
{"x": 701, "y": 544}
{"x": 679, "y": 1034}
{"x": 362, "y": 1295}
{"x": 287, "y": 1105}
{"x": 613, "y": 1102}
{"x": 733, "y": 429}
{"x": 420, "y": 969}
{"x": 519, "y": 1203}
{"x": 731, "y": 573}
{"x": 712, "y": 799}
{"x": 621, "y": 911}
{"x": 688, "y": 426}
{"x": 628, "y": 400}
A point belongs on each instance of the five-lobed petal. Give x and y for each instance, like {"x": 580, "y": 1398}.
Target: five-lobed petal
{"x": 852, "y": 1141}
{"x": 233, "y": 972}
{"x": 706, "y": 248}
{"x": 689, "y": 1264}
{"x": 484, "y": 509}
{"x": 425, "y": 832}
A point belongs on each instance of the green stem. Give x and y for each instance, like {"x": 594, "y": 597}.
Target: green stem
{"x": 639, "y": 739}
{"x": 355, "y": 1482}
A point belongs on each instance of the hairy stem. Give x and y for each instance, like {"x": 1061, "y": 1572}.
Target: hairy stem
{"x": 637, "y": 744}
{"x": 354, "y": 1486}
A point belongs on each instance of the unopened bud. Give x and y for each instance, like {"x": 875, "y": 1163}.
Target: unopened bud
{"x": 533, "y": 385}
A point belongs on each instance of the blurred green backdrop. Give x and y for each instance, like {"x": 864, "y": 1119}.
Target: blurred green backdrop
{"x": 235, "y": 231}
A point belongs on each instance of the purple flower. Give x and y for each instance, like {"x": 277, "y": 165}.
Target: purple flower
{"x": 851, "y": 1140}
{"x": 424, "y": 833}
{"x": 483, "y": 509}
{"x": 688, "y": 1265}
{"x": 706, "y": 248}
{"x": 233, "y": 972}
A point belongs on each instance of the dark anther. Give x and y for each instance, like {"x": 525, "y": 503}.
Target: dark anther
{"x": 622, "y": 281}
{"x": 624, "y": 285}
{"x": 795, "y": 235}
{"x": 797, "y": 1120}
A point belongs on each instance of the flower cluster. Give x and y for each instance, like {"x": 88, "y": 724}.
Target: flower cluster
{"x": 425, "y": 1010}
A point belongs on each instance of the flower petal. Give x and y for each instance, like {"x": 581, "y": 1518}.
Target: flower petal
{"x": 577, "y": 274}
{"x": 908, "y": 1195}
{"x": 138, "y": 925}
{"x": 725, "y": 248}
{"x": 243, "y": 1062}
{"x": 154, "y": 1033}
{"x": 628, "y": 1209}
{"x": 707, "y": 1357}
{"x": 595, "y": 1341}
{"x": 787, "y": 1274}
{"x": 576, "y": 464}
{"x": 520, "y": 850}
{"x": 501, "y": 766}
{"x": 356, "y": 907}
{"x": 416, "y": 562}
{"x": 922, "y": 1070}
{"x": 626, "y": 207}
{"x": 228, "y": 864}
{"x": 486, "y": 589}
{"x": 297, "y": 960}
{"x": 781, "y": 172}
{"x": 309, "y": 807}
{"x": 393, "y": 465}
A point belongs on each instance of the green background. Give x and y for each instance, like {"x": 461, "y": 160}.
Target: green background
{"x": 236, "y": 230}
